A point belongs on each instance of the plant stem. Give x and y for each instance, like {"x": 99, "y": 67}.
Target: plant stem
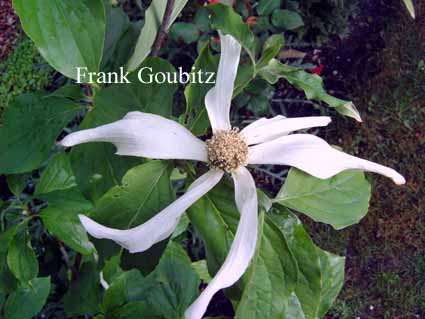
{"x": 65, "y": 256}
{"x": 163, "y": 30}
{"x": 76, "y": 268}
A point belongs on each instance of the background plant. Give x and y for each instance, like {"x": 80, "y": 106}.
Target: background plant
{"x": 23, "y": 71}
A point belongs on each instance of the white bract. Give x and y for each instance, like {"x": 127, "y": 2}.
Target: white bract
{"x": 265, "y": 141}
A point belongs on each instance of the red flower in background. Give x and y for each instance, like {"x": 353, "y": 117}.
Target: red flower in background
{"x": 247, "y": 6}
{"x": 213, "y": 1}
{"x": 251, "y": 21}
{"x": 318, "y": 70}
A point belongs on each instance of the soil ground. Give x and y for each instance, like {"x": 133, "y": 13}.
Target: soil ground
{"x": 385, "y": 271}
{"x": 9, "y": 27}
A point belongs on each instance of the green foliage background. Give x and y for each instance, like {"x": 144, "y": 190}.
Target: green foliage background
{"x": 23, "y": 71}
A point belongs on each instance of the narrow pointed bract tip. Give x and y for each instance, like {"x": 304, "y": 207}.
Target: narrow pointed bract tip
{"x": 64, "y": 142}
{"x": 399, "y": 179}
{"x": 88, "y": 224}
{"x": 83, "y": 219}
{"x": 358, "y": 118}
{"x": 59, "y": 143}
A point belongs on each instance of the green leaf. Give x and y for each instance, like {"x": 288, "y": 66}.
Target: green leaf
{"x": 8, "y": 282}
{"x": 271, "y": 287}
{"x": 308, "y": 288}
{"x": 31, "y": 125}
{"x": 83, "y": 298}
{"x": 332, "y": 267}
{"x": 145, "y": 190}
{"x": 184, "y": 32}
{"x": 209, "y": 223}
{"x": 311, "y": 84}
{"x": 68, "y": 34}
{"x": 259, "y": 105}
{"x": 132, "y": 310}
{"x": 152, "y": 97}
{"x": 202, "y": 19}
{"x": 286, "y": 19}
{"x": 265, "y": 7}
{"x": 176, "y": 283}
{"x": 6, "y": 237}
{"x": 27, "y": 302}
{"x": 410, "y": 7}
{"x": 259, "y": 87}
{"x": 72, "y": 195}
{"x": 2, "y": 300}
{"x": 181, "y": 227}
{"x": 120, "y": 40}
{"x": 225, "y": 19}
{"x": 136, "y": 199}
{"x": 70, "y": 91}
{"x": 112, "y": 269}
{"x": 153, "y": 19}
{"x": 97, "y": 168}
{"x": 95, "y": 165}
{"x": 215, "y": 217}
{"x": 321, "y": 274}
{"x": 201, "y": 269}
{"x": 263, "y": 24}
{"x": 58, "y": 175}
{"x": 271, "y": 48}
{"x": 61, "y": 219}
{"x": 271, "y": 277}
{"x": 118, "y": 292}
{"x": 168, "y": 291}
{"x": 195, "y": 92}
{"x": 294, "y": 309}
{"x": 65, "y": 225}
{"x": 340, "y": 201}
{"x": 21, "y": 258}
{"x": 17, "y": 183}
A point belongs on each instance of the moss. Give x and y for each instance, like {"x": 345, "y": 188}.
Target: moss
{"x": 24, "y": 70}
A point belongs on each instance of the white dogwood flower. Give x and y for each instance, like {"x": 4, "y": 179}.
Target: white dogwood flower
{"x": 265, "y": 141}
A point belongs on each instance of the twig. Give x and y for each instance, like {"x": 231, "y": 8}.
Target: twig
{"x": 280, "y": 177}
{"x": 163, "y": 30}
{"x": 292, "y": 101}
{"x": 65, "y": 256}
{"x": 76, "y": 268}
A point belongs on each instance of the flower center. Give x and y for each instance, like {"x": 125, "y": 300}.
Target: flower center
{"x": 227, "y": 150}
